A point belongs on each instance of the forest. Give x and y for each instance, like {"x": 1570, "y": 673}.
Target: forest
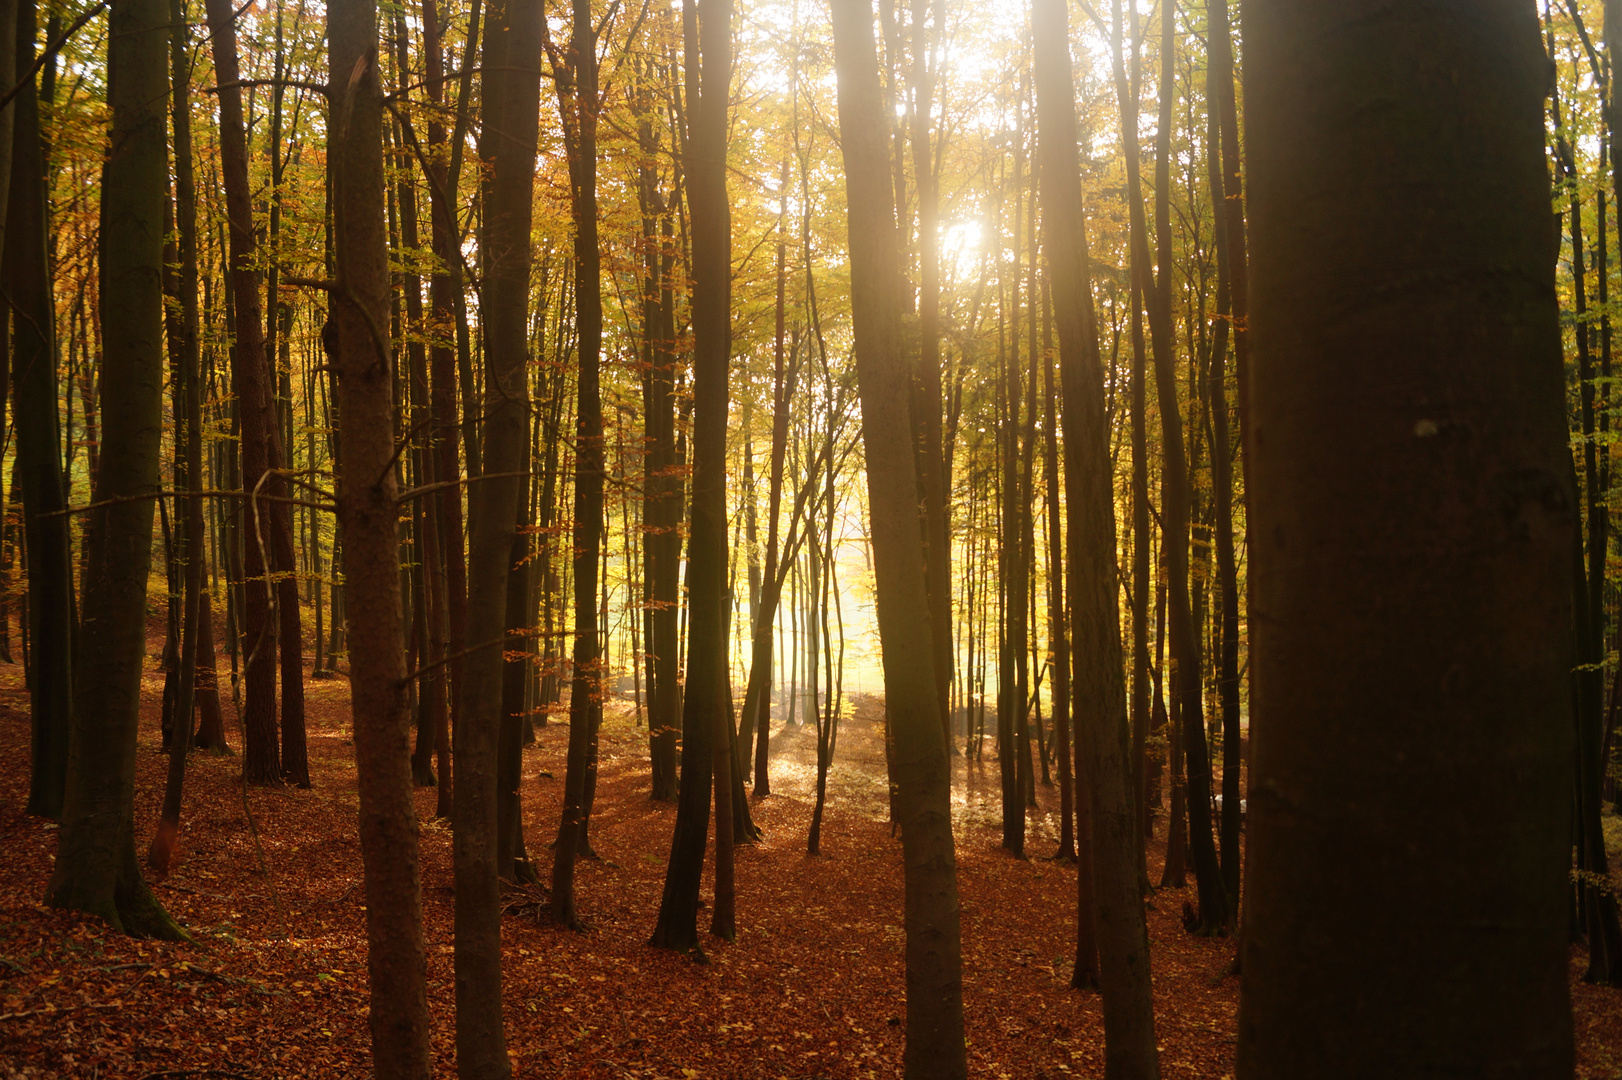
{"x": 810, "y": 539}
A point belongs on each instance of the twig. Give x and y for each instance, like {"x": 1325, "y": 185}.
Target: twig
{"x": 51, "y": 50}
{"x": 298, "y": 84}
{"x": 418, "y": 492}
{"x": 207, "y": 493}
{"x": 442, "y": 661}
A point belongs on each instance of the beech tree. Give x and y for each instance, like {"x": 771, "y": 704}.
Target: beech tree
{"x": 934, "y": 1029}
{"x": 511, "y": 112}
{"x": 39, "y": 438}
{"x": 1410, "y": 794}
{"x": 1116, "y": 905}
{"x": 368, "y": 508}
{"x": 96, "y": 869}
{"x": 706, "y": 700}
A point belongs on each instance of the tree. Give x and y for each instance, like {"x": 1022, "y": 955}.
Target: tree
{"x": 96, "y": 869}
{"x": 1412, "y": 511}
{"x": 1099, "y": 681}
{"x": 511, "y": 101}
{"x": 935, "y": 1045}
{"x": 579, "y": 100}
{"x": 706, "y": 701}
{"x": 368, "y": 509}
{"x": 250, "y": 376}
{"x": 182, "y": 324}
{"x": 39, "y": 459}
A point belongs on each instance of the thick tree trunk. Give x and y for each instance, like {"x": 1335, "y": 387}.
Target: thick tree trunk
{"x": 512, "y": 857}
{"x": 1100, "y": 691}
{"x": 96, "y": 868}
{"x": 934, "y": 1031}
{"x": 1410, "y": 801}
{"x": 368, "y": 511}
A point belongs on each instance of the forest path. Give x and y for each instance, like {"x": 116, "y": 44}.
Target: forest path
{"x": 275, "y": 985}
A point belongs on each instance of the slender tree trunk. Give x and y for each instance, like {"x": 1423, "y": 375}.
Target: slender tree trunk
{"x": 443, "y": 289}
{"x": 1100, "y": 701}
{"x": 183, "y": 328}
{"x": 511, "y": 113}
{"x": 934, "y": 1031}
{"x": 934, "y": 481}
{"x": 367, "y": 492}
{"x": 1214, "y": 914}
{"x": 661, "y": 489}
{"x": 757, "y": 703}
{"x": 708, "y": 29}
{"x": 251, "y": 376}
{"x": 1058, "y": 624}
{"x": 1222, "y": 483}
{"x": 46, "y": 538}
{"x": 1409, "y": 444}
{"x": 580, "y": 111}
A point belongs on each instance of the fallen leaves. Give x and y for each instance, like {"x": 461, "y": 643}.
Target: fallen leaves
{"x": 813, "y": 988}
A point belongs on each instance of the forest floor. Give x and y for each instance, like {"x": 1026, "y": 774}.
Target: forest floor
{"x": 274, "y": 984}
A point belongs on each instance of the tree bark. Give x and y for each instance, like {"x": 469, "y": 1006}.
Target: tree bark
{"x": 705, "y": 689}
{"x": 261, "y": 761}
{"x": 368, "y": 510}
{"x": 96, "y": 868}
{"x": 934, "y": 1026}
{"x": 580, "y": 120}
{"x": 511, "y": 113}
{"x": 1215, "y": 915}
{"x": 1099, "y": 687}
{"x": 1410, "y": 805}
{"x": 39, "y": 440}
{"x": 184, "y": 322}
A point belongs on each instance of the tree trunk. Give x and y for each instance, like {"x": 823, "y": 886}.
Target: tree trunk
{"x": 368, "y": 509}
{"x": 184, "y": 322}
{"x": 1058, "y": 630}
{"x": 1412, "y": 755}
{"x": 1222, "y": 483}
{"x": 709, "y": 70}
{"x": 261, "y": 762}
{"x": 511, "y": 110}
{"x": 933, "y": 478}
{"x": 662, "y": 490}
{"x": 934, "y": 1027}
{"x": 580, "y": 119}
{"x": 443, "y": 289}
{"x": 96, "y": 868}
{"x": 46, "y": 538}
{"x": 1214, "y": 914}
{"x": 1100, "y": 691}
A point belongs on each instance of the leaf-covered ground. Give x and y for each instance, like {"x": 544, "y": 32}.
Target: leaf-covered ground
{"x": 275, "y": 983}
